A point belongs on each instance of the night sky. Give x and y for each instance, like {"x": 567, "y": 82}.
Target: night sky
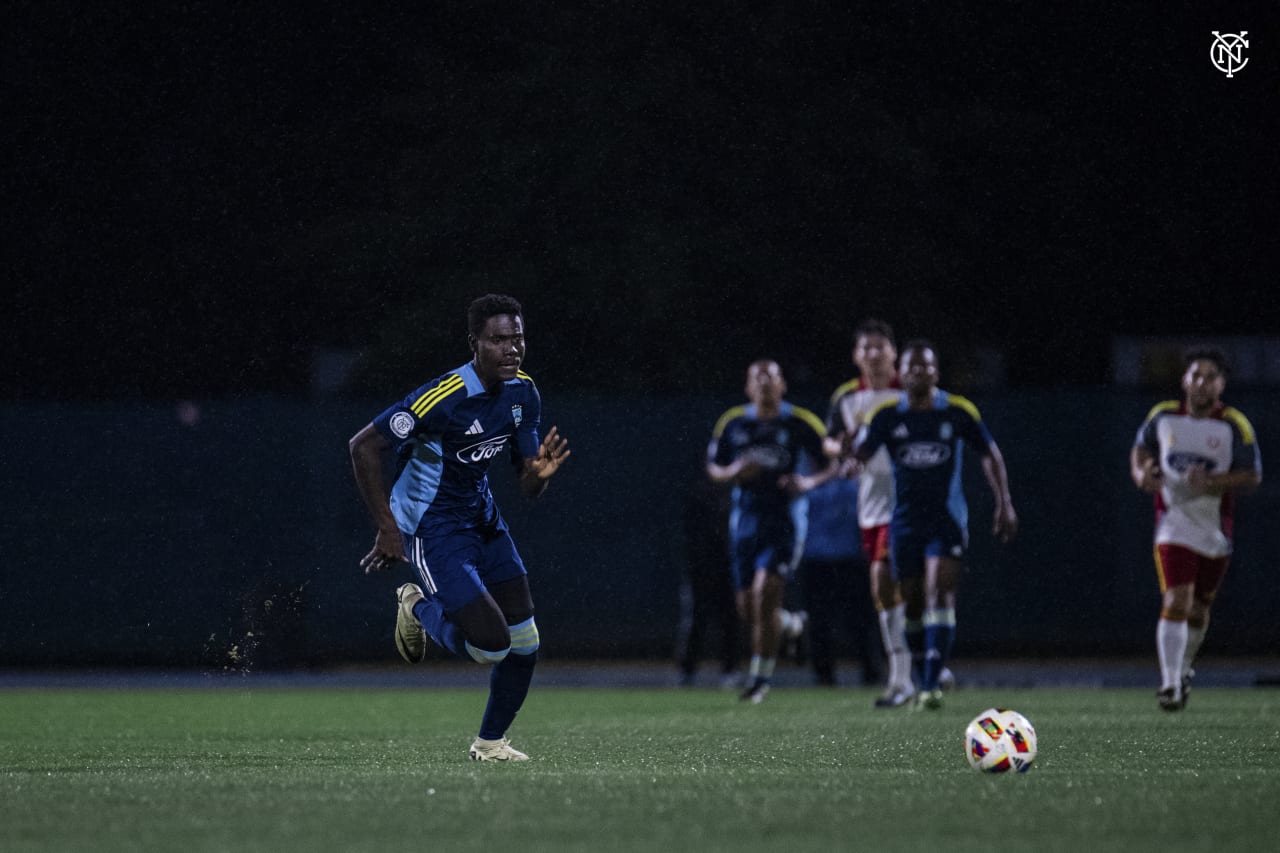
{"x": 201, "y": 197}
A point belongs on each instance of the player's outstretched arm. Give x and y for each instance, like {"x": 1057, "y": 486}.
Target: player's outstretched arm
{"x": 367, "y": 448}
{"x": 1004, "y": 526}
{"x": 552, "y": 453}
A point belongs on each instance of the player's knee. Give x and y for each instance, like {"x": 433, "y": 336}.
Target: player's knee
{"x": 480, "y": 655}
{"x": 524, "y": 637}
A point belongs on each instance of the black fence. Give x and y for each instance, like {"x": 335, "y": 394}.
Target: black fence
{"x": 226, "y": 534}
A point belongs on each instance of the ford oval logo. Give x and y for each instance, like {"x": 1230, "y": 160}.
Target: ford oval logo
{"x": 1183, "y": 462}
{"x": 484, "y": 451}
{"x": 923, "y": 454}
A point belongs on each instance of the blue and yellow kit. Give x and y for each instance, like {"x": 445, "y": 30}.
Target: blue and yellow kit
{"x": 445, "y": 435}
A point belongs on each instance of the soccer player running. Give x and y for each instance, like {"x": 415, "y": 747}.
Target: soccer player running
{"x": 926, "y": 431}
{"x": 1194, "y": 455}
{"x": 442, "y": 518}
{"x": 852, "y": 403}
{"x": 760, "y": 448}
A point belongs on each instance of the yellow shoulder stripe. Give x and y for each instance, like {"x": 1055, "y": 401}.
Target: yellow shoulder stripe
{"x": 1166, "y": 406}
{"x": 735, "y": 412}
{"x": 811, "y": 419}
{"x": 522, "y": 375}
{"x": 878, "y": 408}
{"x": 1241, "y": 422}
{"x": 424, "y": 403}
{"x": 961, "y": 402}
{"x": 844, "y": 388}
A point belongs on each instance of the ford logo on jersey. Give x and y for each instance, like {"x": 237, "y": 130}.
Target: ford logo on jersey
{"x": 483, "y": 451}
{"x": 923, "y": 454}
{"x": 1183, "y": 462}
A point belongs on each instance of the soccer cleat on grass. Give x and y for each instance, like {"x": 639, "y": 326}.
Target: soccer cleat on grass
{"x": 929, "y": 700}
{"x": 756, "y": 692}
{"x": 495, "y": 750}
{"x": 411, "y": 640}
{"x": 895, "y": 697}
{"x": 1170, "y": 699}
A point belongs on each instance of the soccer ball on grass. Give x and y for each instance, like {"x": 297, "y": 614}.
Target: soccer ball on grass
{"x": 999, "y": 740}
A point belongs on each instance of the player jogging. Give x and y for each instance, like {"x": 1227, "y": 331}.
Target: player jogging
{"x": 759, "y": 448}
{"x": 926, "y": 431}
{"x": 441, "y": 517}
{"x": 851, "y": 404}
{"x": 1194, "y": 455}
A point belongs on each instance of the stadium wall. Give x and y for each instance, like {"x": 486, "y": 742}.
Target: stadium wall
{"x": 226, "y": 534}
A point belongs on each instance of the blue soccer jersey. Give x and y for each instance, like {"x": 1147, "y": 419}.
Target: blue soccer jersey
{"x": 926, "y": 448}
{"x": 445, "y": 435}
{"x": 779, "y": 444}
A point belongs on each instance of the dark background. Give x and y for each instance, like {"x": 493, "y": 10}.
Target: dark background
{"x": 203, "y": 196}
{"x": 234, "y": 235}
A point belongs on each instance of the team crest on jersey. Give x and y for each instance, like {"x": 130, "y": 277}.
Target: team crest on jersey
{"x": 944, "y": 432}
{"x": 900, "y": 431}
{"x": 401, "y": 424}
{"x": 517, "y": 413}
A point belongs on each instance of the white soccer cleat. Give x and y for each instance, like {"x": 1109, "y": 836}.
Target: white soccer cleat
{"x": 896, "y": 697}
{"x": 411, "y": 640}
{"x": 495, "y": 750}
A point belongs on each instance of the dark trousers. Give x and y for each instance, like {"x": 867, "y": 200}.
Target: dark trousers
{"x": 707, "y": 602}
{"x": 837, "y": 595}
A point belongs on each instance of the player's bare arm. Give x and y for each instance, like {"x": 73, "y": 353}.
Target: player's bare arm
{"x": 367, "y": 449}
{"x": 1004, "y": 525}
{"x": 1242, "y": 481}
{"x": 741, "y": 470}
{"x": 1144, "y": 470}
{"x": 552, "y": 453}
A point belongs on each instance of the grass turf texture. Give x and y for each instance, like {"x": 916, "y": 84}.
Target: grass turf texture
{"x": 670, "y": 770}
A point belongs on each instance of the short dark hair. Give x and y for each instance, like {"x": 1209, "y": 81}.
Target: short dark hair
{"x": 919, "y": 343}
{"x": 873, "y": 326}
{"x": 1217, "y": 356}
{"x": 490, "y": 305}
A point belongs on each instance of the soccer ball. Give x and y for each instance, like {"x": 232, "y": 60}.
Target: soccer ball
{"x": 998, "y": 741}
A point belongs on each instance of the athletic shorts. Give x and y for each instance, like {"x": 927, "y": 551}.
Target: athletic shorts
{"x": 756, "y": 545}
{"x": 1177, "y": 565}
{"x": 875, "y": 542}
{"x": 911, "y": 548}
{"x": 457, "y": 566}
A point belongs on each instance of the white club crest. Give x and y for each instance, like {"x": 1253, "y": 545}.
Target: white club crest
{"x": 401, "y": 424}
{"x": 517, "y": 413}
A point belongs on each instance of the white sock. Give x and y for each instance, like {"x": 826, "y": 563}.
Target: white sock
{"x": 755, "y": 667}
{"x": 766, "y": 667}
{"x": 1195, "y": 636}
{"x": 893, "y": 631}
{"x": 1171, "y": 643}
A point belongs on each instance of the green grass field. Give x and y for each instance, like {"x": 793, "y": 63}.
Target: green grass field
{"x": 669, "y": 770}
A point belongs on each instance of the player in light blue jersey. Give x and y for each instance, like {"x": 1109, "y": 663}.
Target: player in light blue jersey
{"x": 926, "y": 431}
{"x": 441, "y": 517}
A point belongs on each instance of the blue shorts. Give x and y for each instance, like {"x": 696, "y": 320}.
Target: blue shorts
{"x": 756, "y": 544}
{"x": 910, "y": 548}
{"x": 457, "y": 566}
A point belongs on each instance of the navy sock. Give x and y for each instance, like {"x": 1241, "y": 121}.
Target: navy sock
{"x": 939, "y": 636}
{"x": 508, "y": 685}
{"x": 438, "y": 627}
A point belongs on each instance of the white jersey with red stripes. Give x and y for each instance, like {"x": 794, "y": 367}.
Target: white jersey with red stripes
{"x": 1222, "y": 441}
{"x": 851, "y": 406}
